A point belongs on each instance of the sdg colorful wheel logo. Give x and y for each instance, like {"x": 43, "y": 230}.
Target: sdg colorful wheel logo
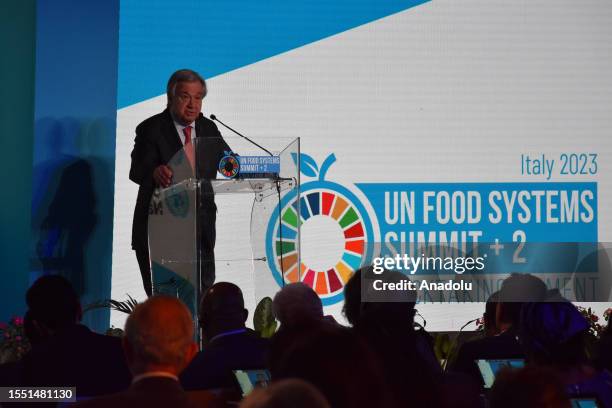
{"x": 324, "y": 202}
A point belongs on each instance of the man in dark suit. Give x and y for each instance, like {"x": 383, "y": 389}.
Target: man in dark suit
{"x": 159, "y": 139}
{"x": 158, "y": 344}
{"x": 65, "y": 353}
{"x": 229, "y": 345}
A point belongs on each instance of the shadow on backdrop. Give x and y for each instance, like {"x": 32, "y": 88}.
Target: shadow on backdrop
{"x": 72, "y": 208}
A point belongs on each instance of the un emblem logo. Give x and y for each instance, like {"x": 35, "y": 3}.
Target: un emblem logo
{"x": 178, "y": 204}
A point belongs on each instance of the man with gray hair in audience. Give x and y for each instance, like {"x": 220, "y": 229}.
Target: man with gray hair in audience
{"x": 158, "y": 345}
{"x": 296, "y": 304}
{"x": 299, "y": 310}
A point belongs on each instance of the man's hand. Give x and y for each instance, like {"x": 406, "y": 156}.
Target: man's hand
{"x": 162, "y": 175}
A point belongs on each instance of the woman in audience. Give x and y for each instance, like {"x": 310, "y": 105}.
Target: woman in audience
{"x": 553, "y": 334}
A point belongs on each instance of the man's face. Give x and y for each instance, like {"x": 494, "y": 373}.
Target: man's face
{"x": 186, "y": 103}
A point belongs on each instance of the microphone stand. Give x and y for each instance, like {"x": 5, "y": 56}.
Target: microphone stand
{"x": 278, "y": 190}
{"x": 213, "y": 117}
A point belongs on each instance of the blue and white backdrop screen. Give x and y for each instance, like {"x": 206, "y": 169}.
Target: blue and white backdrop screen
{"x": 409, "y": 96}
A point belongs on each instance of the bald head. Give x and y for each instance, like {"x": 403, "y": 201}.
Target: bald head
{"x": 222, "y": 309}
{"x": 159, "y": 336}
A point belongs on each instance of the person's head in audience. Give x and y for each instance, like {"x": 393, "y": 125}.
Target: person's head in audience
{"x": 338, "y": 363}
{"x": 352, "y": 298}
{"x": 490, "y": 326}
{"x": 31, "y": 329}
{"x": 297, "y": 303}
{"x": 386, "y": 323}
{"x": 291, "y": 393}
{"x": 530, "y": 387}
{"x": 53, "y": 305}
{"x": 515, "y": 291}
{"x": 554, "y": 333}
{"x": 159, "y": 336}
{"x": 222, "y": 310}
{"x": 394, "y": 309}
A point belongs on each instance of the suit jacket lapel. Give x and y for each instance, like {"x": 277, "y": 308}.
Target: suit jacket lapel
{"x": 170, "y": 133}
{"x": 199, "y": 129}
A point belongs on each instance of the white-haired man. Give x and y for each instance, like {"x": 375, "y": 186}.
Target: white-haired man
{"x": 158, "y": 139}
{"x": 158, "y": 345}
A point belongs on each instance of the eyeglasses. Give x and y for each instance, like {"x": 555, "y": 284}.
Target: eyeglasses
{"x": 186, "y": 98}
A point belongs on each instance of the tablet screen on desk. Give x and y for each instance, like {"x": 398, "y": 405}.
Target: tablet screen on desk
{"x": 489, "y": 368}
{"x": 250, "y": 379}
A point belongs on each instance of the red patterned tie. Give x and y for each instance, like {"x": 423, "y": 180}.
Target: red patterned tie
{"x": 189, "y": 152}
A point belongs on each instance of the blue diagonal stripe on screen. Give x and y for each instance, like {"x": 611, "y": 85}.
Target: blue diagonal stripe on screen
{"x": 156, "y": 37}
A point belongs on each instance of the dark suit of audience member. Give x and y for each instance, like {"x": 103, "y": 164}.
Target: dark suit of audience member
{"x": 212, "y": 367}
{"x": 339, "y": 364}
{"x": 148, "y": 392}
{"x": 299, "y": 310}
{"x": 76, "y": 356}
{"x": 65, "y": 353}
{"x": 386, "y": 323}
{"x": 516, "y": 291}
{"x": 229, "y": 345}
{"x": 502, "y": 346}
{"x": 555, "y": 335}
{"x": 158, "y": 345}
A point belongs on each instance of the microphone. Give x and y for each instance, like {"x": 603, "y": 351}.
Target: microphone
{"x": 213, "y": 117}
{"x": 455, "y": 343}
{"x": 468, "y": 323}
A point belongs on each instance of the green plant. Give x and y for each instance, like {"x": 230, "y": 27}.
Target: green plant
{"x": 263, "y": 319}
{"x": 114, "y": 331}
{"x": 443, "y": 347}
{"x": 595, "y": 329}
{"x": 607, "y": 314}
{"x": 13, "y": 342}
{"x": 127, "y": 306}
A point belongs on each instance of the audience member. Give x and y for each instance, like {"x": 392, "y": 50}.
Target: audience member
{"x": 458, "y": 390}
{"x": 530, "y": 387}
{"x": 604, "y": 349}
{"x": 299, "y": 310}
{"x": 352, "y": 295}
{"x": 382, "y": 361}
{"x": 295, "y": 304}
{"x": 158, "y": 345}
{"x": 66, "y": 353}
{"x": 339, "y": 364}
{"x": 554, "y": 335}
{"x": 290, "y": 393}
{"x": 386, "y": 322}
{"x": 228, "y": 344}
{"x": 489, "y": 317}
{"x": 516, "y": 290}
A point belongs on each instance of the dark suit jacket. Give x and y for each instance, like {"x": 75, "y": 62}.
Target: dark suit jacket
{"x": 503, "y": 346}
{"x": 76, "y": 356}
{"x": 149, "y": 392}
{"x": 212, "y": 367}
{"x": 156, "y": 143}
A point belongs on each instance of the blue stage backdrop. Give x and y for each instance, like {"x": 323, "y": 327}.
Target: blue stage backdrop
{"x": 17, "y": 29}
{"x": 74, "y": 146}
